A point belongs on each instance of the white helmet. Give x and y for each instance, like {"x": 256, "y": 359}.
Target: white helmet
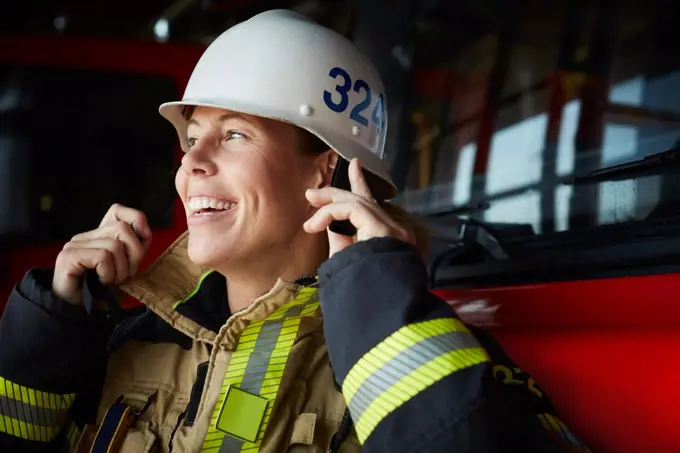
{"x": 282, "y": 65}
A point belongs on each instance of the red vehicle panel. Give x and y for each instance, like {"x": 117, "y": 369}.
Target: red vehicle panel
{"x": 604, "y": 350}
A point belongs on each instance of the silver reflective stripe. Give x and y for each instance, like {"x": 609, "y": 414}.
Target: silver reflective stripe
{"x": 28, "y": 413}
{"x": 403, "y": 364}
{"x": 259, "y": 361}
{"x": 231, "y": 445}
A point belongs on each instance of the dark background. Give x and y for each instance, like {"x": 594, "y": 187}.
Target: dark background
{"x": 493, "y": 106}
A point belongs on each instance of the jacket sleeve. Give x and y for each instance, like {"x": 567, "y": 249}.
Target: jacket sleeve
{"x": 414, "y": 377}
{"x": 52, "y": 360}
{"x": 521, "y": 388}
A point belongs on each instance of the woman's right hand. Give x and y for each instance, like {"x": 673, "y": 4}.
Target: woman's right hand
{"x": 114, "y": 250}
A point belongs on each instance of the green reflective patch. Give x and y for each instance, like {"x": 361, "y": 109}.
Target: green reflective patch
{"x": 241, "y": 414}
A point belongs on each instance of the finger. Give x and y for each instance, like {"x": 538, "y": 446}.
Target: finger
{"x": 354, "y": 211}
{"x": 134, "y": 249}
{"x": 76, "y": 261}
{"x": 135, "y": 218}
{"x": 330, "y": 195}
{"x": 357, "y": 180}
{"x": 116, "y": 250}
{"x": 326, "y": 195}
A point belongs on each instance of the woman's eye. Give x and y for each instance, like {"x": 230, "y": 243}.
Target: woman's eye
{"x": 231, "y": 135}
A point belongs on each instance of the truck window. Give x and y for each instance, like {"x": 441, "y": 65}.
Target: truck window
{"x": 504, "y": 126}
{"x": 72, "y": 142}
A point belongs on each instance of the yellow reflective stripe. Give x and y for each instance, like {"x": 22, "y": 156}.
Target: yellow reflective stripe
{"x": 302, "y": 297}
{"x": 36, "y": 397}
{"x": 28, "y": 431}
{"x": 415, "y": 383}
{"x": 552, "y": 423}
{"x": 403, "y": 365}
{"x": 32, "y": 414}
{"x": 392, "y": 346}
{"x": 257, "y": 366}
{"x": 72, "y": 436}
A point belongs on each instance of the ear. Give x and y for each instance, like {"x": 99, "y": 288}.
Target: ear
{"x": 325, "y": 164}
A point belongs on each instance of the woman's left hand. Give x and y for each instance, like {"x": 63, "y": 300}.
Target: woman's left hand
{"x": 357, "y": 206}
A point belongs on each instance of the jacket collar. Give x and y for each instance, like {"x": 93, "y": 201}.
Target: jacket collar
{"x": 174, "y": 278}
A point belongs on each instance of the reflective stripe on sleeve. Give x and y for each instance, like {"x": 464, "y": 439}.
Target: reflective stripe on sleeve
{"x": 552, "y": 423}
{"x": 72, "y": 436}
{"x": 403, "y": 365}
{"x": 32, "y": 414}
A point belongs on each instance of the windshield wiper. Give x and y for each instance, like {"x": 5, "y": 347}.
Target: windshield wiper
{"x": 472, "y": 240}
{"x": 465, "y": 209}
{"x": 654, "y": 164}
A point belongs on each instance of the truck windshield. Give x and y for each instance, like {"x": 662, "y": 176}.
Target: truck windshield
{"x": 503, "y": 138}
{"x": 74, "y": 141}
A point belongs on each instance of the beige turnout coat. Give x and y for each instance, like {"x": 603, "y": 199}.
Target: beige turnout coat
{"x": 308, "y": 408}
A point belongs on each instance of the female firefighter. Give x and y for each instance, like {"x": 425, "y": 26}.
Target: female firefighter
{"x": 228, "y": 353}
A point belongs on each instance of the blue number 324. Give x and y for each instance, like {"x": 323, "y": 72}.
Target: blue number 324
{"x": 342, "y": 89}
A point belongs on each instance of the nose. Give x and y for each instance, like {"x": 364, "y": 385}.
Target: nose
{"x": 199, "y": 162}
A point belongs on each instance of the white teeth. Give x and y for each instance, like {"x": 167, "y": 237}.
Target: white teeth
{"x": 200, "y": 203}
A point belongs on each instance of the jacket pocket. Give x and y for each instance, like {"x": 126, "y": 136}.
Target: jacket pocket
{"x": 138, "y": 439}
{"x": 312, "y": 433}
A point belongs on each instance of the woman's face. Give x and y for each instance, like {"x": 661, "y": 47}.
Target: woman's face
{"x": 243, "y": 184}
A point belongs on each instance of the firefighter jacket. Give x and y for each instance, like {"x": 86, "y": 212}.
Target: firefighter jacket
{"x": 365, "y": 359}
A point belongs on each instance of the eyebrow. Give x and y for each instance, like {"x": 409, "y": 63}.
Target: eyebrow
{"x": 222, "y": 118}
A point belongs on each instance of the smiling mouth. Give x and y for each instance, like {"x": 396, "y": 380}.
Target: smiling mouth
{"x": 201, "y": 206}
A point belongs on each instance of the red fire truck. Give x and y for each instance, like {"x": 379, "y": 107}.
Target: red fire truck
{"x": 591, "y": 312}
